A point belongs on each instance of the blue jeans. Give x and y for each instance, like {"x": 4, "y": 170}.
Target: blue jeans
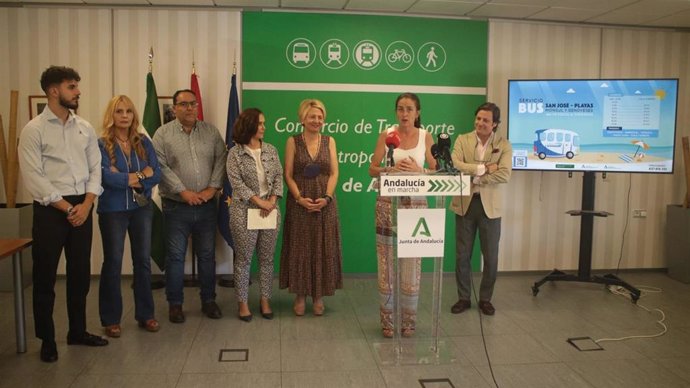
{"x": 114, "y": 225}
{"x": 181, "y": 221}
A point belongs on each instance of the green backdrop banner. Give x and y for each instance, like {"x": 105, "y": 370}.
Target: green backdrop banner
{"x": 357, "y": 65}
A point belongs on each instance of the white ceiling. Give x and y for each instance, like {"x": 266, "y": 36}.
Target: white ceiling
{"x": 656, "y": 13}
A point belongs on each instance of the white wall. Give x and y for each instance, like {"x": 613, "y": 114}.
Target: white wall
{"x": 537, "y": 234}
{"x": 109, "y": 48}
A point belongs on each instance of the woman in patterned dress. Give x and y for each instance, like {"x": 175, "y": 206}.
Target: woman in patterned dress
{"x": 311, "y": 257}
{"x": 409, "y": 157}
{"x": 256, "y": 177}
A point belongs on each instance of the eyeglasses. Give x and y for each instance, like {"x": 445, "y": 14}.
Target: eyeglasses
{"x": 488, "y": 150}
{"x": 187, "y": 104}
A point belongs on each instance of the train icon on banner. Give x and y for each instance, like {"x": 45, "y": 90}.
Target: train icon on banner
{"x": 366, "y": 54}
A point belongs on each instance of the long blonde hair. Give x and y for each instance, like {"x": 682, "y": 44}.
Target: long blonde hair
{"x": 133, "y": 135}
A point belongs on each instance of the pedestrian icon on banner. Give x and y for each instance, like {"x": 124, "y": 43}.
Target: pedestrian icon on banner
{"x": 301, "y": 53}
{"x": 334, "y": 53}
{"x": 431, "y": 56}
{"x": 367, "y": 54}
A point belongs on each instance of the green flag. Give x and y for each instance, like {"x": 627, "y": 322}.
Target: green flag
{"x": 152, "y": 113}
{"x": 151, "y": 121}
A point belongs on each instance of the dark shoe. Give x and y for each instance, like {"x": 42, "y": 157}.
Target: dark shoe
{"x": 88, "y": 340}
{"x": 268, "y": 316}
{"x": 175, "y": 313}
{"x": 486, "y": 307}
{"x": 150, "y": 325}
{"x": 246, "y": 318}
{"x": 460, "y": 306}
{"x": 211, "y": 310}
{"x": 49, "y": 351}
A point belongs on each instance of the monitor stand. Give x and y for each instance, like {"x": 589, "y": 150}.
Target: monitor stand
{"x": 586, "y": 234}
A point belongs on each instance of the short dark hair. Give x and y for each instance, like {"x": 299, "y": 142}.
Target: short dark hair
{"x": 246, "y": 125}
{"x": 495, "y": 112}
{"x": 177, "y": 93}
{"x": 55, "y": 75}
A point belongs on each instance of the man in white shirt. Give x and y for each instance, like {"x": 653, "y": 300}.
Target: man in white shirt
{"x": 61, "y": 167}
{"x": 486, "y": 156}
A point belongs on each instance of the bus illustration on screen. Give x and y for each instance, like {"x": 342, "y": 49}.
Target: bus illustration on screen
{"x": 598, "y": 125}
{"x": 557, "y": 143}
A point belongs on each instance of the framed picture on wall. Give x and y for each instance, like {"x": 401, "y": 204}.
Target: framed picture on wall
{"x": 165, "y": 104}
{"x": 36, "y": 105}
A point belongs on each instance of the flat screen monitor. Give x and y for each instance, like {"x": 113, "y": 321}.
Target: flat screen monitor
{"x": 600, "y": 125}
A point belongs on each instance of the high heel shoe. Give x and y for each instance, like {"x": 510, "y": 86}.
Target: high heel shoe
{"x": 269, "y": 315}
{"x": 245, "y": 318}
{"x": 299, "y": 306}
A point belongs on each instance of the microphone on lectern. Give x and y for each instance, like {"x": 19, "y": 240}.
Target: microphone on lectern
{"x": 443, "y": 142}
{"x": 392, "y": 142}
{"x": 436, "y": 153}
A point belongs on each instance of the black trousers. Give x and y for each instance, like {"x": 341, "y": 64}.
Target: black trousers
{"x": 51, "y": 234}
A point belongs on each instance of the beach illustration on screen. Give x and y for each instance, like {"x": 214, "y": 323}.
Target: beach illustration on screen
{"x": 601, "y": 125}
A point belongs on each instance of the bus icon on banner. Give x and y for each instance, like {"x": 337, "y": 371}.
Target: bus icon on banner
{"x": 300, "y": 53}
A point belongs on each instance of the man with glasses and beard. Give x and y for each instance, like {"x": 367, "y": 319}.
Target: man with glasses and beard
{"x": 192, "y": 157}
{"x": 61, "y": 167}
{"x": 485, "y": 156}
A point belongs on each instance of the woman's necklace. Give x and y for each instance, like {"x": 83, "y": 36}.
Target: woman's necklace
{"x": 318, "y": 146}
{"x": 124, "y": 146}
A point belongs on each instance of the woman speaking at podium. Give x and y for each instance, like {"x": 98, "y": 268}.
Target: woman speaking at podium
{"x": 411, "y": 148}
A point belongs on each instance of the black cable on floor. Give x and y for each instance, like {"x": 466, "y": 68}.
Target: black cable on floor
{"x": 481, "y": 328}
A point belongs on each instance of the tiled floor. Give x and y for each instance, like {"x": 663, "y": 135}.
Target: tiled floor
{"x": 525, "y": 340}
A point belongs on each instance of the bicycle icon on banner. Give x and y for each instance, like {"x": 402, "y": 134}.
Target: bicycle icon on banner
{"x": 399, "y": 55}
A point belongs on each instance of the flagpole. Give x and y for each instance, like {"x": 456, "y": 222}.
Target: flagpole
{"x": 157, "y": 281}
{"x": 226, "y": 193}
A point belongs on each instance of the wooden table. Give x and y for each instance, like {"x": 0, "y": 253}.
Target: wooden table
{"x": 14, "y": 247}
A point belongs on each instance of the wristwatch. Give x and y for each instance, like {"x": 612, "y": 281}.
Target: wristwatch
{"x": 69, "y": 210}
